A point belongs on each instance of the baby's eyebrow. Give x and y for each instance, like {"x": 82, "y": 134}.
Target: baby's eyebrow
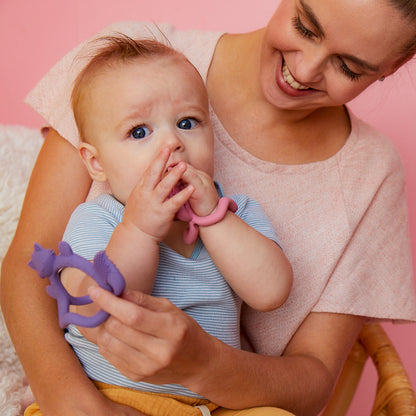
{"x": 137, "y": 112}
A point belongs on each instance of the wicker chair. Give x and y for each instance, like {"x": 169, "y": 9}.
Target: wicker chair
{"x": 394, "y": 396}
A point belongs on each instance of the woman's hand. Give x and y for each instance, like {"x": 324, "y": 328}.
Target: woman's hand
{"x": 149, "y": 339}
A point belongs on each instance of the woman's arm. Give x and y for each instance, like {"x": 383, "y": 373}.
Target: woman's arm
{"x": 164, "y": 345}
{"x": 59, "y": 182}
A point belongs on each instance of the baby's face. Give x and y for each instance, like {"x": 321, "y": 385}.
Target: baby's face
{"x": 136, "y": 109}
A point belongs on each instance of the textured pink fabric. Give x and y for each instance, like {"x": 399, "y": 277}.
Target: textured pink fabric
{"x": 342, "y": 222}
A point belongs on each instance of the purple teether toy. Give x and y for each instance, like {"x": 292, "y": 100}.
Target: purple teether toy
{"x": 102, "y": 270}
{"x": 186, "y": 214}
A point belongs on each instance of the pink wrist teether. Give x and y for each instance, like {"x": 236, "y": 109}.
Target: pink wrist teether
{"x": 186, "y": 214}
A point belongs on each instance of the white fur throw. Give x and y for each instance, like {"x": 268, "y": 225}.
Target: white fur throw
{"x": 19, "y": 147}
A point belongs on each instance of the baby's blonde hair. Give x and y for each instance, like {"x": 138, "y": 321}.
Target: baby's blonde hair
{"x": 116, "y": 49}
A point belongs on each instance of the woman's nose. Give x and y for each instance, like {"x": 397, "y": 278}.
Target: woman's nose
{"x": 310, "y": 65}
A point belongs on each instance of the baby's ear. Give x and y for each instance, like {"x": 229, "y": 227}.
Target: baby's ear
{"x": 89, "y": 156}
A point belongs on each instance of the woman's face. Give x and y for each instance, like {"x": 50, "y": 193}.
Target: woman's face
{"x": 319, "y": 53}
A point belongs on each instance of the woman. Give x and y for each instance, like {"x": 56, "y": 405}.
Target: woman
{"x": 332, "y": 186}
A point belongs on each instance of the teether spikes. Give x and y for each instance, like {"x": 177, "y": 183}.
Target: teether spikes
{"x": 42, "y": 261}
{"x": 102, "y": 270}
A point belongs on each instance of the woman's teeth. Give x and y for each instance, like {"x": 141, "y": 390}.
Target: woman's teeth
{"x": 287, "y": 76}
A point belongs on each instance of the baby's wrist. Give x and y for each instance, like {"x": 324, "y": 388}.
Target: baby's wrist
{"x": 134, "y": 232}
{"x": 223, "y": 206}
{"x": 191, "y": 234}
{"x": 206, "y": 210}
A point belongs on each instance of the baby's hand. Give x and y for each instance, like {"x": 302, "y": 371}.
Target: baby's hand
{"x": 204, "y": 198}
{"x": 149, "y": 207}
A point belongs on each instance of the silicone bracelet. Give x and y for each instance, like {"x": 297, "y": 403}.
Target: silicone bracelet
{"x": 186, "y": 214}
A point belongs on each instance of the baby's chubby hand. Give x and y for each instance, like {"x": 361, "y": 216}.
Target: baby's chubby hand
{"x": 149, "y": 207}
{"x": 204, "y": 198}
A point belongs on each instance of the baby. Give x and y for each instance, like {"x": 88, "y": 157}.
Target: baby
{"x": 143, "y": 117}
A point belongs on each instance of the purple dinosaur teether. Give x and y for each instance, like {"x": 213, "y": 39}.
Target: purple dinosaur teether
{"x": 102, "y": 270}
{"x": 186, "y": 214}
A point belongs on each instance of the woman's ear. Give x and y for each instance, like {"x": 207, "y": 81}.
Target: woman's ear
{"x": 89, "y": 155}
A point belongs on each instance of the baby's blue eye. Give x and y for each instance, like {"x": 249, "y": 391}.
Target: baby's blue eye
{"x": 187, "y": 124}
{"x": 139, "y": 132}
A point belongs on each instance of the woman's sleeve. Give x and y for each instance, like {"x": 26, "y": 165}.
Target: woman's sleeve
{"x": 374, "y": 276}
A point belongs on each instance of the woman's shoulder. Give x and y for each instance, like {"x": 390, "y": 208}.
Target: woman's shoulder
{"x": 197, "y": 45}
{"x": 179, "y": 39}
{"x": 370, "y": 161}
{"x": 371, "y": 149}
{"x": 370, "y": 170}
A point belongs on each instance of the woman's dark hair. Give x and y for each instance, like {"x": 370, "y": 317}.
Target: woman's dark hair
{"x": 408, "y": 10}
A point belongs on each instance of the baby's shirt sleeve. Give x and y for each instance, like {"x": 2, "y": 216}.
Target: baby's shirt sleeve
{"x": 252, "y": 213}
{"x": 90, "y": 227}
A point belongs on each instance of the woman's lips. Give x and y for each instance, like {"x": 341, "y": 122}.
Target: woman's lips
{"x": 289, "y": 85}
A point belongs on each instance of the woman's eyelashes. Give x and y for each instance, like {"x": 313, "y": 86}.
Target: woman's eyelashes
{"x": 353, "y": 76}
{"x": 308, "y": 34}
{"x": 305, "y": 32}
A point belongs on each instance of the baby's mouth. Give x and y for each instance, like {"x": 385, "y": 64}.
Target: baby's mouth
{"x": 287, "y": 76}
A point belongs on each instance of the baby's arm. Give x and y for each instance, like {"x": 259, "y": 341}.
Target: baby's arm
{"x": 147, "y": 219}
{"x": 254, "y": 265}
{"x": 133, "y": 245}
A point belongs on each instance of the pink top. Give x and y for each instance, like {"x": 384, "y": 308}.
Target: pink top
{"x": 342, "y": 222}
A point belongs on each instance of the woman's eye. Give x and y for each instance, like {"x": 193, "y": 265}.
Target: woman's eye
{"x": 353, "y": 76}
{"x": 187, "y": 123}
{"x": 139, "y": 132}
{"x": 298, "y": 25}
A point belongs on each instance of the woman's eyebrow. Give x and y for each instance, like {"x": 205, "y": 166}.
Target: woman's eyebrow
{"x": 314, "y": 20}
{"x": 364, "y": 64}
{"x": 312, "y": 17}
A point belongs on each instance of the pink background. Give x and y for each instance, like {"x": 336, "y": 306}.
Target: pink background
{"x": 35, "y": 34}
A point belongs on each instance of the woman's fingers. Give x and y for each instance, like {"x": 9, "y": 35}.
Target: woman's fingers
{"x": 126, "y": 358}
{"x": 149, "y": 338}
{"x": 141, "y": 312}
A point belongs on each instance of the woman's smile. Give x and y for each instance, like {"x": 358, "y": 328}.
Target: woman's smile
{"x": 288, "y": 83}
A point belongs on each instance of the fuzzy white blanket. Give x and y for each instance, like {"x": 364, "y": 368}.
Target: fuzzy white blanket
{"x": 19, "y": 147}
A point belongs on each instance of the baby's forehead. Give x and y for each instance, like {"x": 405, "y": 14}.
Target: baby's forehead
{"x": 174, "y": 66}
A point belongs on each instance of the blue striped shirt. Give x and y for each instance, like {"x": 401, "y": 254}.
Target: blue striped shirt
{"x": 193, "y": 284}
